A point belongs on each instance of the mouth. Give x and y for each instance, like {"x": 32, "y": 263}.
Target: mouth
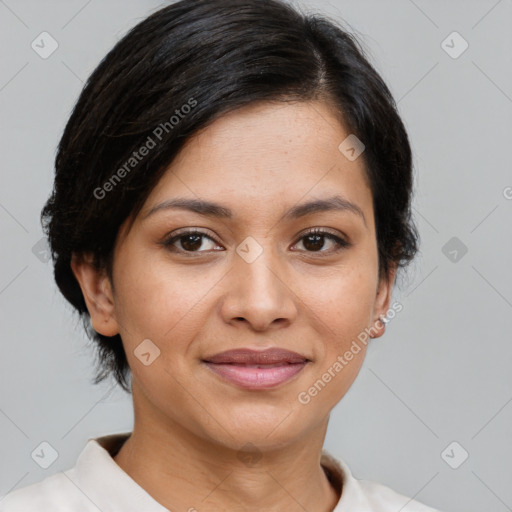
{"x": 251, "y": 369}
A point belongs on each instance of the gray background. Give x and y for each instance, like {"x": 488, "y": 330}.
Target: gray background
{"x": 442, "y": 371}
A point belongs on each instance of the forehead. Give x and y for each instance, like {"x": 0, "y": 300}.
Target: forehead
{"x": 263, "y": 156}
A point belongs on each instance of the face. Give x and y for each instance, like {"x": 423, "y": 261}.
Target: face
{"x": 188, "y": 285}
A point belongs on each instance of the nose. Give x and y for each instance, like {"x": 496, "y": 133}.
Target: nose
{"x": 259, "y": 293}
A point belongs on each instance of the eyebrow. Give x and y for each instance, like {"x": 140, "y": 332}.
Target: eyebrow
{"x": 210, "y": 209}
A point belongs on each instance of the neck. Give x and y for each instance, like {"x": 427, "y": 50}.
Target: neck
{"x": 186, "y": 472}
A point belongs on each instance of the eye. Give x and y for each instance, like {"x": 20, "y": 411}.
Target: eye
{"x": 190, "y": 241}
{"x": 314, "y": 241}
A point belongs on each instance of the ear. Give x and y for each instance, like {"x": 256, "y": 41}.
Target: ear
{"x": 97, "y": 292}
{"x": 382, "y": 301}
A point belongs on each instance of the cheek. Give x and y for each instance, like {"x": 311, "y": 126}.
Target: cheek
{"x": 342, "y": 308}
{"x": 342, "y": 301}
{"x": 155, "y": 301}
{"x": 343, "y": 305}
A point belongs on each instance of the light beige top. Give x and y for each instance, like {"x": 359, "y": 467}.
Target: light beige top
{"x": 97, "y": 484}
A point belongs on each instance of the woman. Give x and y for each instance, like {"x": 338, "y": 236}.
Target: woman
{"x": 230, "y": 210}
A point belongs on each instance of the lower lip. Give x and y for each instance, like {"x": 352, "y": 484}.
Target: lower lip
{"x": 256, "y": 378}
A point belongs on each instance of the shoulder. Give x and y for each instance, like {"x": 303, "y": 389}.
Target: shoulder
{"x": 358, "y": 494}
{"x": 55, "y": 492}
{"x": 384, "y": 499}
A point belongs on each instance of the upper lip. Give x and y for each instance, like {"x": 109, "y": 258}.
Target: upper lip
{"x": 249, "y": 356}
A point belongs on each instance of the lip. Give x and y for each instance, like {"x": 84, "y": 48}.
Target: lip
{"x": 257, "y": 369}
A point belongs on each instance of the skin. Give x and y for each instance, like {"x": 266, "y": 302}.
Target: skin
{"x": 190, "y": 426}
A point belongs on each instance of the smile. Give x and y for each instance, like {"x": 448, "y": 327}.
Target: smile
{"x": 256, "y": 376}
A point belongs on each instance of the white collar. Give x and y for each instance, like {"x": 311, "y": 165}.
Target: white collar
{"x": 104, "y": 483}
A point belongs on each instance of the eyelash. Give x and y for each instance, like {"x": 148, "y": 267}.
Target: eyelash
{"x": 341, "y": 244}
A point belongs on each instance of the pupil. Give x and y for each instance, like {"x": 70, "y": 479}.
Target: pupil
{"x": 317, "y": 239}
{"x": 195, "y": 245}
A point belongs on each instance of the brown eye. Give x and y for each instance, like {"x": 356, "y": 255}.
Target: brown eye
{"x": 190, "y": 241}
{"x": 314, "y": 241}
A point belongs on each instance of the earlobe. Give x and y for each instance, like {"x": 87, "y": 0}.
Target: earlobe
{"x": 382, "y": 302}
{"x": 97, "y": 291}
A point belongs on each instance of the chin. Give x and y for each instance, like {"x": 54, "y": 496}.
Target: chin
{"x": 264, "y": 426}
